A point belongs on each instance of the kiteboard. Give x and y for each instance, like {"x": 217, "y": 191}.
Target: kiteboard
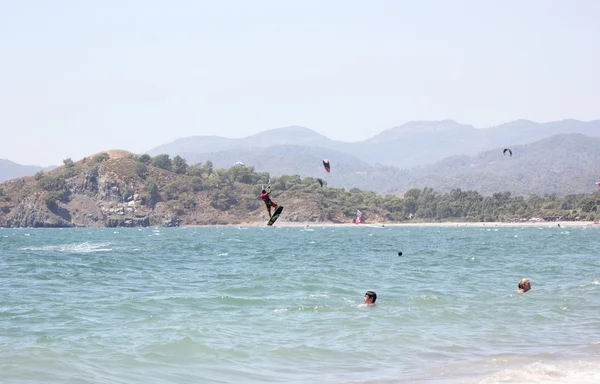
{"x": 275, "y": 215}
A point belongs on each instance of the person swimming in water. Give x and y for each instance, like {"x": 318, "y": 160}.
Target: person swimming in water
{"x": 370, "y": 298}
{"x": 524, "y": 285}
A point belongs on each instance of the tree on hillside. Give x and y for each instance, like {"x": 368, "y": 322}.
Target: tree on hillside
{"x": 223, "y": 199}
{"x": 245, "y": 175}
{"x": 141, "y": 169}
{"x": 162, "y": 161}
{"x": 283, "y": 183}
{"x": 68, "y": 163}
{"x": 179, "y": 165}
{"x": 145, "y": 158}
{"x": 195, "y": 170}
{"x": 153, "y": 195}
{"x": 208, "y": 168}
{"x": 69, "y": 169}
{"x": 101, "y": 157}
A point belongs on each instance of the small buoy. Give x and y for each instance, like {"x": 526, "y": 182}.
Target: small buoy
{"x": 399, "y": 253}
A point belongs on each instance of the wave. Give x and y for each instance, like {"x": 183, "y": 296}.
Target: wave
{"x": 564, "y": 372}
{"x": 84, "y": 247}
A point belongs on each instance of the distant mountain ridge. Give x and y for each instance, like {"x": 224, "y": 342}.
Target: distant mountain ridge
{"x": 11, "y": 170}
{"x": 442, "y": 155}
{"x": 561, "y": 164}
{"x": 293, "y": 135}
{"x": 410, "y": 145}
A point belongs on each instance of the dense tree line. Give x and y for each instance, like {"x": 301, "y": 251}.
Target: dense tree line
{"x": 416, "y": 205}
{"x": 426, "y": 204}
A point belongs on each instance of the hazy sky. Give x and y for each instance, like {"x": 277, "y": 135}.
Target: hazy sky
{"x": 78, "y": 77}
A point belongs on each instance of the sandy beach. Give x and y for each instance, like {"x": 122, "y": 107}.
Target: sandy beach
{"x": 562, "y": 224}
{"x": 565, "y": 224}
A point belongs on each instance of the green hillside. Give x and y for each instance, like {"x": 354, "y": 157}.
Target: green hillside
{"x": 559, "y": 165}
{"x": 120, "y": 189}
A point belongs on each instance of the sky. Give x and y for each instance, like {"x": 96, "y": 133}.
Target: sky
{"x": 79, "y": 77}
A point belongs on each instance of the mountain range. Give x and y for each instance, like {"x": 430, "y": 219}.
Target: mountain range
{"x": 559, "y": 157}
{"x": 559, "y": 165}
{"x": 11, "y": 170}
{"x": 410, "y": 145}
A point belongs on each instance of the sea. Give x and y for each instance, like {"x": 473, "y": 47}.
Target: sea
{"x": 285, "y": 304}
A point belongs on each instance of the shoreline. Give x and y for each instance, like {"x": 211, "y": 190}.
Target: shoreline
{"x": 561, "y": 224}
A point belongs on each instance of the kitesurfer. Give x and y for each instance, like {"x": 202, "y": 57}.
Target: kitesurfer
{"x": 264, "y": 195}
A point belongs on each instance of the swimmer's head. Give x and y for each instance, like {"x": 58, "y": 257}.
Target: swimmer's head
{"x": 525, "y": 284}
{"x": 370, "y": 297}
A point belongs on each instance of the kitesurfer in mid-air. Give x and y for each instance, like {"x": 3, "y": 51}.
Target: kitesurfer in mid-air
{"x": 264, "y": 195}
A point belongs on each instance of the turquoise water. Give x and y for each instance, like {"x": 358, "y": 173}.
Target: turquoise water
{"x": 283, "y": 304}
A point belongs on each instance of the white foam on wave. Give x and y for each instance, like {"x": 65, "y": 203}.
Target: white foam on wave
{"x": 223, "y": 254}
{"x": 84, "y": 247}
{"x": 566, "y": 372}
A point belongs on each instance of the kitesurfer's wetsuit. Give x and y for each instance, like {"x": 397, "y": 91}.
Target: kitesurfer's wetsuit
{"x": 264, "y": 195}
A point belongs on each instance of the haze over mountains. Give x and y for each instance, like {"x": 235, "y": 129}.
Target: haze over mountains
{"x": 412, "y": 144}
{"x": 561, "y": 164}
{"x": 559, "y": 157}
{"x": 11, "y": 170}
{"x": 417, "y": 154}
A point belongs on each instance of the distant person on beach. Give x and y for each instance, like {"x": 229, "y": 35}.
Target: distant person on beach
{"x": 370, "y": 298}
{"x": 524, "y": 285}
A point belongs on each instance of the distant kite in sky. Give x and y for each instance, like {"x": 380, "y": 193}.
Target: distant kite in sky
{"x": 326, "y": 165}
{"x": 507, "y": 150}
